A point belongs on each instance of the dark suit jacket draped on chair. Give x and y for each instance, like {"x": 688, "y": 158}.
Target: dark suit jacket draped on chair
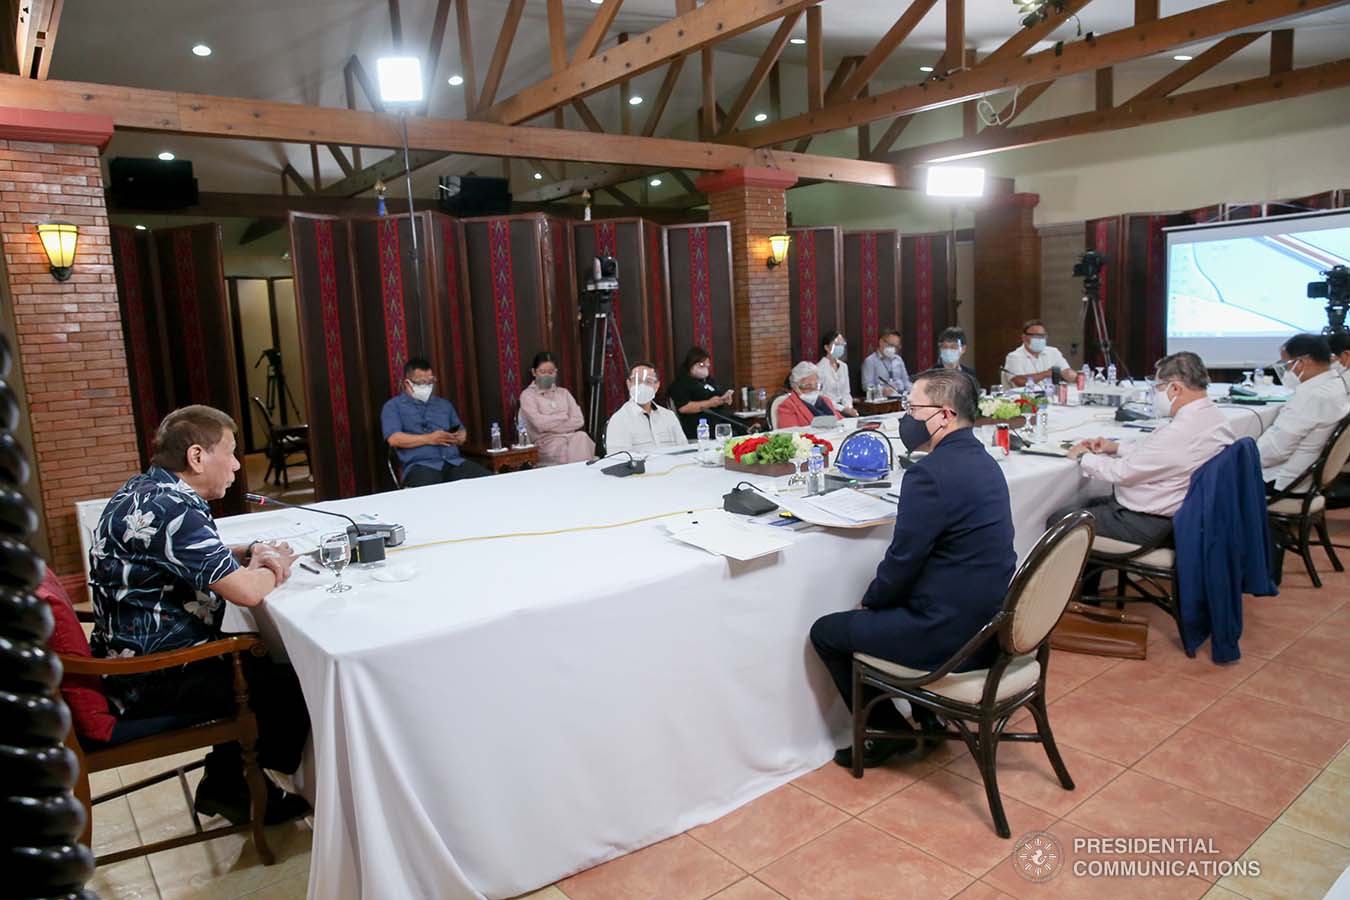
{"x": 1223, "y": 549}
{"x": 950, "y": 560}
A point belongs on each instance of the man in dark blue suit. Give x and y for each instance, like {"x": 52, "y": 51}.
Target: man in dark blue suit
{"x": 950, "y": 560}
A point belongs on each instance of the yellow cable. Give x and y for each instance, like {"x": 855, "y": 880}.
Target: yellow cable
{"x": 523, "y": 534}
{"x": 659, "y": 474}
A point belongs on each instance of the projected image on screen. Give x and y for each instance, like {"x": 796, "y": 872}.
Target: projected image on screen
{"x": 1236, "y": 292}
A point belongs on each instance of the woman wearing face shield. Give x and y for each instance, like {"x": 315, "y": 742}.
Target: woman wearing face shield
{"x": 833, "y": 371}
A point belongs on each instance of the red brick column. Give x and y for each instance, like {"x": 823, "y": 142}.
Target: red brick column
{"x": 755, "y": 203}
{"x": 69, "y": 333}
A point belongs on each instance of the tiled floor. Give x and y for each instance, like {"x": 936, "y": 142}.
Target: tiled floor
{"x": 300, "y": 488}
{"x": 1253, "y": 755}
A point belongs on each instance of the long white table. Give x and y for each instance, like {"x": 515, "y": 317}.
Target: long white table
{"x": 527, "y": 707}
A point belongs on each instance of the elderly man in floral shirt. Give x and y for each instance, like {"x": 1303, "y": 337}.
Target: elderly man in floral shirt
{"x": 159, "y": 579}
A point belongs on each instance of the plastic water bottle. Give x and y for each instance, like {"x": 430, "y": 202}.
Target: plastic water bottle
{"x": 763, "y": 400}
{"x": 1043, "y": 414}
{"x": 1111, "y": 374}
{"x": 704, "y": 443}
{"x": 496, "y": 436}
{"x": 815, "y": 472}
{"x": 522, "y": 433}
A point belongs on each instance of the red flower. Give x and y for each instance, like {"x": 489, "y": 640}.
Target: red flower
{"x": 748, "y": 446}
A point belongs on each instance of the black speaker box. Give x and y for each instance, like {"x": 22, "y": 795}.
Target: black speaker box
{"x": 472, "y": 195}
{"x": 137, "y": 183}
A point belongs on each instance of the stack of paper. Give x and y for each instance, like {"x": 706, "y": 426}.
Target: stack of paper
{"x": 721, "y": 533}
{"x": 847, "y": 508}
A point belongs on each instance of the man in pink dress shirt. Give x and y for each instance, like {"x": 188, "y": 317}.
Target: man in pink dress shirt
{"x": 1153, "y": 474}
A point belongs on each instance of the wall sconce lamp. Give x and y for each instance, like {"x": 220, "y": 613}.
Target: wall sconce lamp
{"x": 778, "y": 248}
{"x": 58, "y": 239}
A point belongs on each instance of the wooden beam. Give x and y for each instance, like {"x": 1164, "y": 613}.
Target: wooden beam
{"x": 715, "y": 20}
{"x": 343, "y": 163}
{"x": 1145, "y": 11}
{"x": 619, "y": 195}
{"x": 354, "y": 70}
{"x": 970, "y": 110}
{"x": 288, "y": 172}
{"x": 1267, "y": 89}
{"x": 841, "y": 72}
{"x": 349, "y": 80}
{"x": 775, "y": 92}
{"x": 167, "y": 112}
{"x": 685, "y": 181}
{"x": 878, "y": 55}
{"x": 1214, "y": 20}
{"x": 663, "y": 96}
{"x": 890, "y": 136}
{"x": 767, "y": 60}
{"x": 605, "y": 176}
{"x": 557, "y": 36}
{"x": 1106, "y": 88}
{"x": 595, "y": 33}
{"x": 1188, "y": 71}
{"x": 395, "y": 24}
{"x": 625, "y": 94}
{"x": 314, "y": 166}
{"x": 1023, "y": 39}
{"x": 497, "y": 65}
{"x": 864, "y": 134}
{"x": 815, "y": 60}
{"x": 707, "y": 111}
{"x": 439, "y": 21}
{"x": 587, "y": 117}
{"x": 46, "y": 33}
{"x": 956, "y": 30}
{"x": 465, "y": 39}
{"x": 1281, "y": 50}
{"x": 1025, "y": 97}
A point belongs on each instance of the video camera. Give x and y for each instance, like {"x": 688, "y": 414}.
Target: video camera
{"x": 1336, "y": 291}
{"x": 1089, "y": 268}
{"x": 604, "y": 274}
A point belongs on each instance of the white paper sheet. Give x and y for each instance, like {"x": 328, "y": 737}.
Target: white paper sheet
{"x": 720, "y": 533}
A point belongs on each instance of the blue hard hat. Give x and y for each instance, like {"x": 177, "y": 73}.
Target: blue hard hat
{"x": 864, "y": 455}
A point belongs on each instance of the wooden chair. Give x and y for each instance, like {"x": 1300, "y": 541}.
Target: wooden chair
{"x": 241, "y": 727}
{"x": 1300, "y": 508}
{"x": 776, "y": 402}
{"x": 1040, "y": 591}
{"x": 282, "y": 444}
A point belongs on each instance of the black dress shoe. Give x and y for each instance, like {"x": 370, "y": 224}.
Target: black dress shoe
{"x": 232, "y": 803}
{"x": 875, "y": 752}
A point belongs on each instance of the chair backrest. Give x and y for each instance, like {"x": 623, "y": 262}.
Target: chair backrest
{"x": 87, "y": 514}
{"x": 266, "y": 416}
{"x": 773, "y": 410}
{"x": 1046, "y": 582}
{"x": 1335, "y": 456}
{"x": 395, "y": 466}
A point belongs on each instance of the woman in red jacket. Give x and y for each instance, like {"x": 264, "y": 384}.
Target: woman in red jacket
{"x": 806, "y": 401}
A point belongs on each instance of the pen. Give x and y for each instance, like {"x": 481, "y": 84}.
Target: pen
{"x": 308, "y": 568}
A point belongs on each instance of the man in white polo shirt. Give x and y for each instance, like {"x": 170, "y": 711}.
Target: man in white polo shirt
{"x": 1035, "y": 358}
{"x": 1321, "y": 399}
{"x": 642, "y": 424}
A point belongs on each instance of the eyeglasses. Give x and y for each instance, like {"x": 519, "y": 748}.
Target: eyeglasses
{"x": 908, "y": 407}
{"x": 430, "y": 383}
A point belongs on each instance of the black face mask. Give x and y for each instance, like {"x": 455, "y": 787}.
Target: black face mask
{"x": 913, "y": 432}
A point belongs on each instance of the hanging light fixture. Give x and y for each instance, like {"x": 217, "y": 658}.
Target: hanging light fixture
{"x": 58, "y": 239}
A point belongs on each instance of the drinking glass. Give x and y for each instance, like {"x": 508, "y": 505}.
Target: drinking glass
{"x": 335, "y": 551}
{"x": 722, "y": 432}
{"x": 1247, "y": 377}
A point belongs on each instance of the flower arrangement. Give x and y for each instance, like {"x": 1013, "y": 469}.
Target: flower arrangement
{"x": 1005, "y": 407}
{"x": 774, "y": 448}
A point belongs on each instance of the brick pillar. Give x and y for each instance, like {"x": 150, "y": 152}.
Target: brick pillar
{"x": 68, "y": 333}
{"x": 754, "y": 202}
{"x": 1007, "y": 278}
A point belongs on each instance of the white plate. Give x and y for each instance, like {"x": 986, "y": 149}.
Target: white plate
{"x": 394, "y": 574}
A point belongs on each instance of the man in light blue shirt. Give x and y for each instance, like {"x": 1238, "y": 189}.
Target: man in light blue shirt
{"x": 885, "y": 367}
{"x": 425, "y": 431}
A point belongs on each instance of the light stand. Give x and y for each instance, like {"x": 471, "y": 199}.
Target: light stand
{"x": 412, "y": 220}
{"x": 401, "y": 89}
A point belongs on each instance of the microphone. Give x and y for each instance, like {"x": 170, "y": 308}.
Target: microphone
{"x": 634, "y": 466}
{"x": 392, "y": 535}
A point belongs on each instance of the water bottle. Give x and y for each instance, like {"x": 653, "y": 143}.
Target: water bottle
{"x": 815, "y": 472}
{"x": 1043, "y": 413}
{"x": 704, "y": 443}
{"x": 1111, "y": 374}
{"x": 522, "y": 433}
{"x": 496, "y": 436}
{"x": 763, "y": 400}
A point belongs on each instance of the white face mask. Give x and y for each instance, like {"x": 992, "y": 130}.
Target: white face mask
{"x": 1162, "y": 404}
{"x": 1288, "y": 377}
{"x": 950, "y": 356}
{"x": 810, "y": 397}
{"x": 888, "y": 351}
{"x": 837, "y": 351}
{"x": 642, "y": 394}
{"x": 422, "y": 392}
{"x": 699, "y": 371}
{"x": 1038, "y": 345}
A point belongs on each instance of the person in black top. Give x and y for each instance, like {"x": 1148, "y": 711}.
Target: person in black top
{"x": 694, "y": 393}
{"x": 951, "y": 347}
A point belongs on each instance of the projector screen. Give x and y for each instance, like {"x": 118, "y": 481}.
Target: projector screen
{"x": 1236, "y": 291}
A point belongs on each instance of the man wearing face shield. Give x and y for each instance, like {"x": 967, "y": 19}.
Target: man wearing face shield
{"x": 1153, "y": 474}
{"x": 641, "y": 423}
{"x": 425, "y": 431}
{"x": 1321, "y": 399}
{"x": 947, "y": 569}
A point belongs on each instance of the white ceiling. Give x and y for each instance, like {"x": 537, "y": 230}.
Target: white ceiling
{"x": 295, "y": 51}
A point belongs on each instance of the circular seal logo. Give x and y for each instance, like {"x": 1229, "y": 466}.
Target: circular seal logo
{"x": 1037, "y": 856}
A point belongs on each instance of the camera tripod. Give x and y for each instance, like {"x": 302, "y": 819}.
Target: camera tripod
{"x": 278, "y": 391}
{"x": 602, "y": 331}
{"x": 1095, "y": 307}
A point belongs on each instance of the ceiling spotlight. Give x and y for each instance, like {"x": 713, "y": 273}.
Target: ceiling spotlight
{"x": 635, "y": 100}
{"x": 655, "y": 182}
{"x": 141, "y": 228}
{"x": 1182, "y": 57}
{"x": 597, "y": 2}
{"x": 399, "y": 79}
{"x": 456, "y": 80}
{"x": 925, "y": 69}
{"x": 955, "y": 181}
{"x": 797, "y": 41}
{"x": 538, "y": 176}
{"x": 166, "y": 156}
{"x": 761, "y": 117}
{"x": 201, "y": 50}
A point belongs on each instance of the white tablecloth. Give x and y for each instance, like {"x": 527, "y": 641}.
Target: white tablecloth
{"x": 528, "y": 707}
